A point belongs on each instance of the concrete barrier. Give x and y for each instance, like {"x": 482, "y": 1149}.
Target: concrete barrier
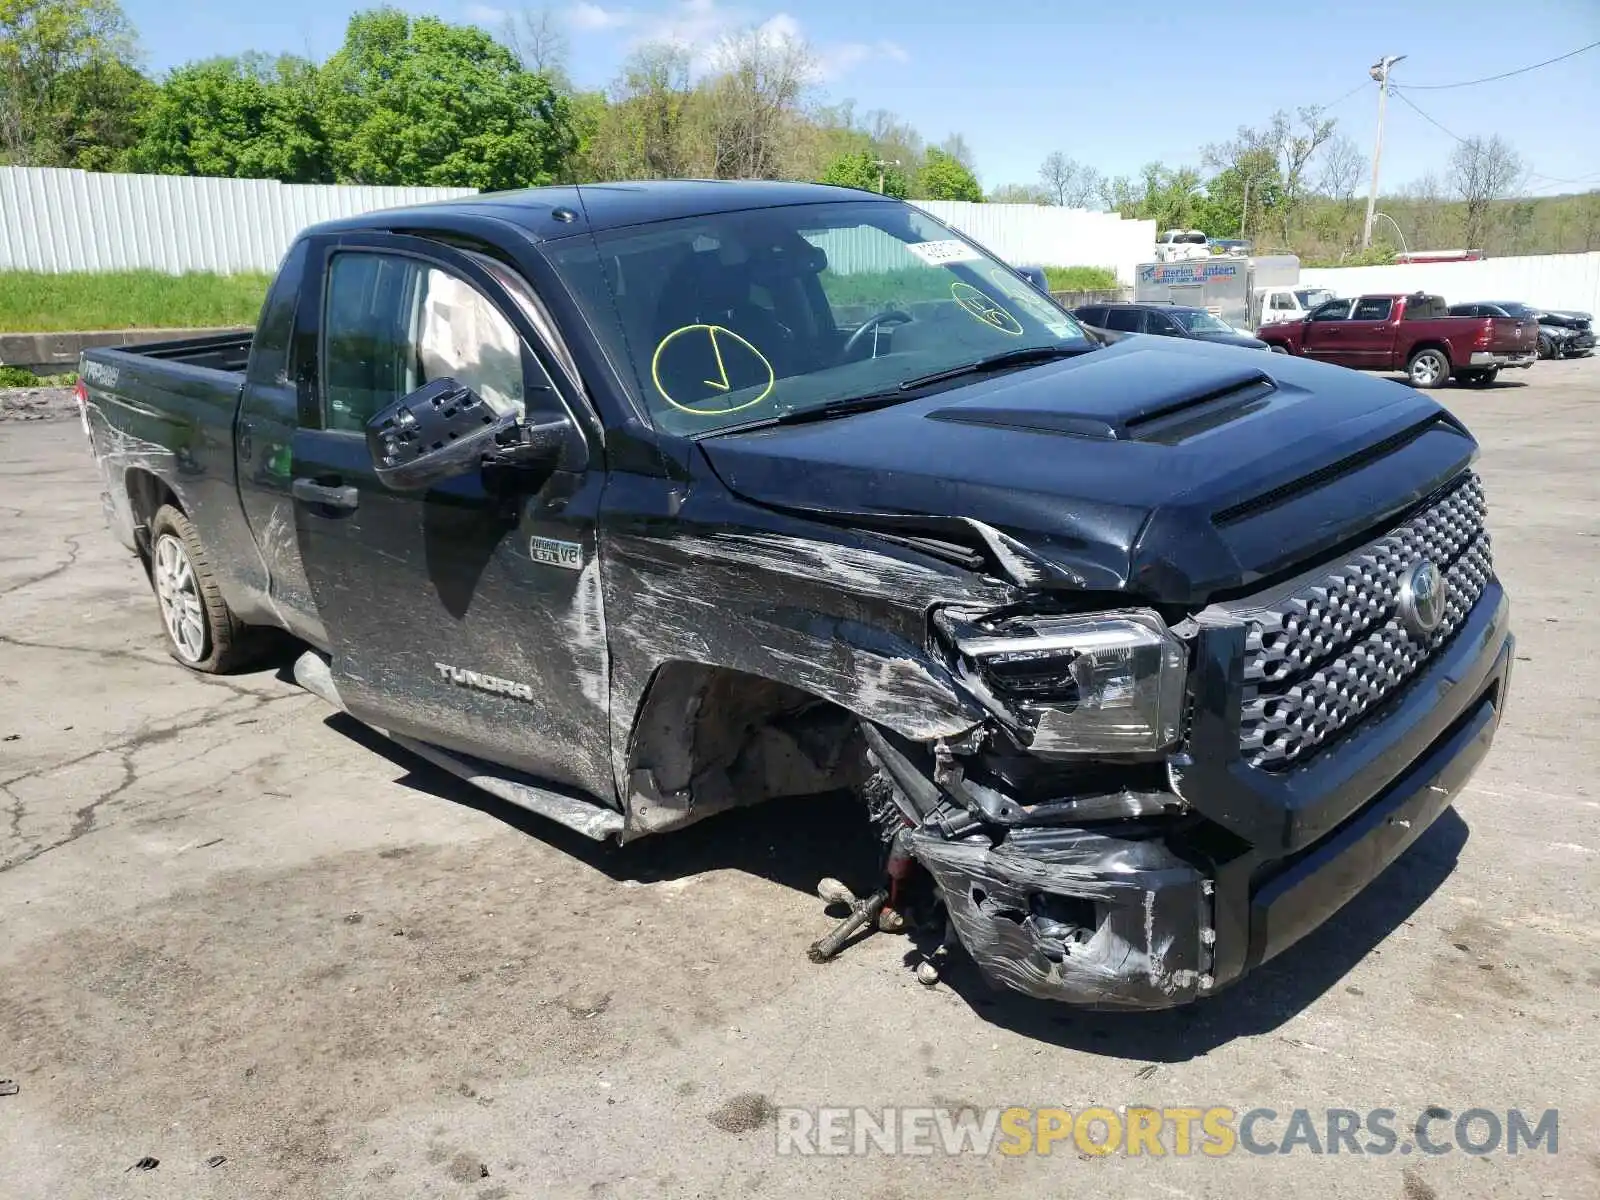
{"x": 54, "y": 353}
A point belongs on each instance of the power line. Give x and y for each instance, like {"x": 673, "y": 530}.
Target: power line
{"x": 1426, "y": 117}
{"x": 1433, "y": 87}
{"x": 1343, "y": 98}
{"x": 1531, "y": 174}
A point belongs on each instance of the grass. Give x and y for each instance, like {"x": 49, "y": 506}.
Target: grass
{"x": 1080, "y": 279}
{"x": 31, "y": 302}
{"x": 21, "y": 377}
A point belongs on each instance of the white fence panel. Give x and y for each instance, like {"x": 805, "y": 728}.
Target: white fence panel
{"x": 62, "y": 220}
{"x": 1040, "y": 235}
{"x": 54, "y": 220}
{"x": 1569, "y": 281}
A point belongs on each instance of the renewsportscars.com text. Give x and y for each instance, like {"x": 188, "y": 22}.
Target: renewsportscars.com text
{"x": 1209, "y": 1130}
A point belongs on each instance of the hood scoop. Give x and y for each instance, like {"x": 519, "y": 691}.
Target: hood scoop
{"x": 1148, "y": 396}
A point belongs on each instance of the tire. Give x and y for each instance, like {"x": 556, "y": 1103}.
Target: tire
{"x": 202, "y": 632}
{"x": 1547, "y": 347}
{"x": 1479, "y": 378}
{"x": 1277, "y": 349}
{"x": 1428, "y": 368}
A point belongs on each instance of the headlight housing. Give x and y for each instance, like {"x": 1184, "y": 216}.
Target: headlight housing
{"x": 1104, "y": 684}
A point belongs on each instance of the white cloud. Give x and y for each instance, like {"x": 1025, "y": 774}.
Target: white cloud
{"x": 485, "y": 14}
{"x": 698, "y": 26}
{"x": 591, "y": 18}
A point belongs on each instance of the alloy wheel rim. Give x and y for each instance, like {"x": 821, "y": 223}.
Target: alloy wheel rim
{"x": 178, "y": 591}
{"x": 1427, "y": 369}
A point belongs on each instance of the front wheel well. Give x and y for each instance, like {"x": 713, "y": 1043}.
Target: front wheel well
{"x": 712, "y": 738}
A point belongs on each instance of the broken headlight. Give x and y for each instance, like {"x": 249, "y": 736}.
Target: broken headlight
{"x": 1111, "y": 683}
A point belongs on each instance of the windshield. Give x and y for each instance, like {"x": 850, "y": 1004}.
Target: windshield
{"x": 1197, "y": 320}
{"x": 720, "y": 320}
{"x": 1311, "y": 297}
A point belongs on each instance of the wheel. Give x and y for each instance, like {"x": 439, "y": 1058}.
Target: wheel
{"x": 1277, "y": 349}
{"x": 1480, "y": 378}
{"x": 1428, "y": 368}
{"x": 1547, "y": 347}
{"x": 202, "y": 632}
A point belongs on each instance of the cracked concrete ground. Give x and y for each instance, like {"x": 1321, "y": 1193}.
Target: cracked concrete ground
{"x": 232, "y": 924}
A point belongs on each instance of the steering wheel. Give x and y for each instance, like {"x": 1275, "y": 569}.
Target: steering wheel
{"x": 889, "y": 316}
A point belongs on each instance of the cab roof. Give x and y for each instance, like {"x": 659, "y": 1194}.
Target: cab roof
{"x": 556, "y": 212}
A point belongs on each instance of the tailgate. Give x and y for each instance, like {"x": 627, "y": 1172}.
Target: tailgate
{"x": 1509, "y": 335}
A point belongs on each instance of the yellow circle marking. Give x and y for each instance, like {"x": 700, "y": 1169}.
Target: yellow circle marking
{"x": 718, "y": 334}
{"x": 984, "y": 309}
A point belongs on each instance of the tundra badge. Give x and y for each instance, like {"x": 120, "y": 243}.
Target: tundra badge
{"x": 483, "y": 683}
{"x": 558, "y": 554}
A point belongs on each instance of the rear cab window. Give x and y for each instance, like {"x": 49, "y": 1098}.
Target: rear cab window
{"x": 1425, "y": 308}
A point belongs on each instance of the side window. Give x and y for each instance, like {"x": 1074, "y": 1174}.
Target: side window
{"x": 1373, "y": 308}
{"x": 1091, "y": 316}
{"x": 1424, "y": 308}
{"x": 1283, "y": 301}
{"x": 1126, "y": 320}
{"x": 1161, "y": 323}
{"x": 1333, "y": 310}
{"x": 391, "y": 324}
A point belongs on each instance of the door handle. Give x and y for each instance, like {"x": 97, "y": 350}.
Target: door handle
{"x": 313, "y": 492}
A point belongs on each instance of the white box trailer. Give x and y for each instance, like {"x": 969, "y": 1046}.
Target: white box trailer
{"x": 1244, "y": 292}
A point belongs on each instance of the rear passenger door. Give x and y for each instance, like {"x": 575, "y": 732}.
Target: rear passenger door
{"x": 468, "y": 615}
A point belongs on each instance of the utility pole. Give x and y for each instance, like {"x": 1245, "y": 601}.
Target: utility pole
{"x": 1245, "y": 211}
{"x": 884, "y": 164}
{"x": 1380, "y": 74}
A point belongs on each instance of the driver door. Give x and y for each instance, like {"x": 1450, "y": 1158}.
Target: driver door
{"x": 1324, "y": 333}
{"x": 467, "y": 615}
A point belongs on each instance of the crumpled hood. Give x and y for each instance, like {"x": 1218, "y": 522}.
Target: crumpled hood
{"x": 1175, "y": 470}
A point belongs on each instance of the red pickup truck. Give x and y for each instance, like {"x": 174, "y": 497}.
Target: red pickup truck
{"x": 1411, "y": 333}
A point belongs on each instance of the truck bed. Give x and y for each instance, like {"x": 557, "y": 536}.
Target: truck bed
{"x": 228, "y": 351}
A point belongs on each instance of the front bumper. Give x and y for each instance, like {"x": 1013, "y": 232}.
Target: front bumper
{"x": 1121, "y": 919}
{"x": 1483, "y": 358}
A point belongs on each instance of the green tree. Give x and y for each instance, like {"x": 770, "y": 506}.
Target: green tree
{"x": 247, "y": 118}
{"x": 944, "y": 178}
{"x": 69, "y": 90}
{"x": 860, "y": 170}
{"x": 645, "y": 131}
{"x": 1169, "y": 196}
{"x": 1020, "y": 193}
{"x": 418, "y": 101}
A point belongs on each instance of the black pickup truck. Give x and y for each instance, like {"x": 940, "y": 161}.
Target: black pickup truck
{"x": 634, "y": 503}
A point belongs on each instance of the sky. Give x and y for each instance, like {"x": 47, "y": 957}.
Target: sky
{"x": 1112, "y": 85}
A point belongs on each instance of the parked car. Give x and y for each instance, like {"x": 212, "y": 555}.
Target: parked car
{"x": 1144, "y": 658}
{"x": 1415, "y": 334}
{"x": 1561, "y": 334}
{"x": 1165, "y": 320}
{"x": 1175, "y": 245}
{"x": 1278, "y": 304}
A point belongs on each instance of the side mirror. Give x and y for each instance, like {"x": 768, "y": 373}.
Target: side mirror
{"x": 445, "y": 429}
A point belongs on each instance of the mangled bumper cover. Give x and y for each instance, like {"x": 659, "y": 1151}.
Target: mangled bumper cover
{"x": 1145, "y": 951}
{"x": 1143, "y": 919}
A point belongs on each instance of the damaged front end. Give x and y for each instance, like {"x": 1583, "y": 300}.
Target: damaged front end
{"x": 1052, "y": 830}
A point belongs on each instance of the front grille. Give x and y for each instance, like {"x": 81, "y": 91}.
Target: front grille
{"x": 1319, "y": 657}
